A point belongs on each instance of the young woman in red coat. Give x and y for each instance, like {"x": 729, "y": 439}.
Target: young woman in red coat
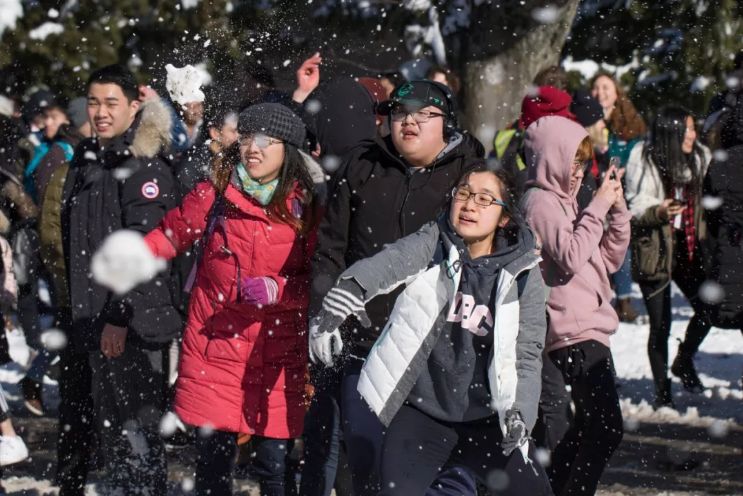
{"x": 244, "y": 354}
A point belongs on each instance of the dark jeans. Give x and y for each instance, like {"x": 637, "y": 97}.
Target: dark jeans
{"x": 622, "y": 278}
{"x": 362, "y": 431}
{"x": 417, "y": 447}
{"x": 129, "y": 395}
{"x": 216, "y": 459}
{"x": 364, "y": 438}
{"x": 688, "y": 276}
{"x": 555, "y": 413}
{"x": 579, "y": 458}
{"x": 322, "y": 436}
{"x": 28, "y": 317}
{"x": 76, "y": 433}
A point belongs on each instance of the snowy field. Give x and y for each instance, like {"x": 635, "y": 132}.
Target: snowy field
{"x": 696, "y": 450}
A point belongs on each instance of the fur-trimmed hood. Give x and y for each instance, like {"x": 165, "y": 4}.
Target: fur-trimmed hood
{"x": 152, "y": 129}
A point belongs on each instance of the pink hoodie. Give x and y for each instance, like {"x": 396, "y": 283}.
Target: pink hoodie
{"x": 577, "y": 253}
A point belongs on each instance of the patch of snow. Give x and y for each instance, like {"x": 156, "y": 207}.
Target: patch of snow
{"x": 416, "y": 4}
{"x": 549, "y": 14}
{"x": 189, "y": 4}
{"x": 589, "y": 68}
{"x": 45, "y": 30}
{"x": 10, "y": 12}
{"x": 434, "y": 37}
{"x": 6, "y": 106}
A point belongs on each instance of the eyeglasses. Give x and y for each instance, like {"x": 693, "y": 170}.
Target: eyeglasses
{"x": 419, "y": 116}
{"x": 261, "y": 140}
{"x": 482, "y": 199}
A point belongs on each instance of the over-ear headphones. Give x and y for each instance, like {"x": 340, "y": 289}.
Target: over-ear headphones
{"x": 451, "y": 123}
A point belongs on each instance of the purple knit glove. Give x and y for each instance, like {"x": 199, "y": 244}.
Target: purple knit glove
{"x": 259, "y": 291}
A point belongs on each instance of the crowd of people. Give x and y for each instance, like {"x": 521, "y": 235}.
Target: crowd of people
{"x": 343, "y": 272}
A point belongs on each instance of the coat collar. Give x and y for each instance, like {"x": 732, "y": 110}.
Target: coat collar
{"x": 245, "y": 203}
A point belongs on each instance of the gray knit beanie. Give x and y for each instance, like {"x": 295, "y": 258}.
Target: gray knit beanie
{"x": 274, "y": 120}
{"x": 77, "y": 111}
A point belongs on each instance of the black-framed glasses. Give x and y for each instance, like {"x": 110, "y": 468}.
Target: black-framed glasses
{"x": 261, "y": 140}
{"x": 419, "y": 116}
{"x": 482, "y": 199}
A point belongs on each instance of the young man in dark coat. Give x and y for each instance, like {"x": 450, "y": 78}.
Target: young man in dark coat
{"x": 119, "y": 180}
{"x": 386, "y": 189}
{"x": 723, "y": 186}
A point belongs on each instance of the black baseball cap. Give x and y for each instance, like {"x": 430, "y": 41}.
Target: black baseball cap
{"x": 415, "y": 95}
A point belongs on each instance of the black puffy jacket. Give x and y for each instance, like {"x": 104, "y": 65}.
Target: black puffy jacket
{"x": 376, "y": 198}
{"x": 127, "y": 185}
{"x": 724, "y": 181}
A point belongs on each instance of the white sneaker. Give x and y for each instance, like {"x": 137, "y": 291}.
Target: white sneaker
{"x": 12, "y": 450}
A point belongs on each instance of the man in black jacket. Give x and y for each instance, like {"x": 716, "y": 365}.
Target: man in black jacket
{"x": 386, "y": 189}
{"x": 119, "y": 180}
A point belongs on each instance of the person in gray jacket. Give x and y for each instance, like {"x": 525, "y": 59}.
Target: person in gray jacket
{"x": 455, "y": 374}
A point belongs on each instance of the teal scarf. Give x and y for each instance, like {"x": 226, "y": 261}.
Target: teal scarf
{"x": 261, "y": 192}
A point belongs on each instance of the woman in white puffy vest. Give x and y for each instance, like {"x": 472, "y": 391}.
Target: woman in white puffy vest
{"x": 455, "y": 375}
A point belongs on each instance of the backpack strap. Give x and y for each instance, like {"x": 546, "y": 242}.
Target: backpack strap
{"x": 216, "y": 213}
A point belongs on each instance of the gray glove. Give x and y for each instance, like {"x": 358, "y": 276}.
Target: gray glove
{"x": 516, "y": 435}
{"x": 344, "y": 299}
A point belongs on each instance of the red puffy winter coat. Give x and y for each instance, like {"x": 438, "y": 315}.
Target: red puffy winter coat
{"x": 242, "y": 368}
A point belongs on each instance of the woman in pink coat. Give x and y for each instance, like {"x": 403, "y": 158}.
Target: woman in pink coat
{"x": 244, "y": 355}
{"x": 578, "y": 254}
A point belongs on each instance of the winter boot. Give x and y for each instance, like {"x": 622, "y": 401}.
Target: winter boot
{"x": 683, "y": 368}
{"x": 625, "y": 310}
{"x": 663, "y": 397}
{"x": 32, "y": 396}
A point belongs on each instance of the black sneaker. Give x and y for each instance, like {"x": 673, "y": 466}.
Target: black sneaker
{"x": 663, "y": 397}
{"x": 683, "y": 368}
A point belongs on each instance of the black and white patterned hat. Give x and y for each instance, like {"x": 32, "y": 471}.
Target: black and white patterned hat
{"x": 274, "y": 120}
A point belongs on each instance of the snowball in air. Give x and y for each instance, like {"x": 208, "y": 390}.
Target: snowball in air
{"x": 711, "y": 202}
{"x": 124, "y": 261}
{"x": 331, "y": 163}
{"x": 53, "y": 339}
{"x": 711, "y": 293}
{"x": 168, "y": 424}
{"x": 184, "y": 84}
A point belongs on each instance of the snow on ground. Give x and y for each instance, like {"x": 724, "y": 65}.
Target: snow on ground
{"x": 719, "y": 363}
{"x": 665, "y": 433}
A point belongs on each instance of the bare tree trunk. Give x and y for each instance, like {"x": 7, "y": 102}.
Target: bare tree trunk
{"x": 494, "y": 87}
